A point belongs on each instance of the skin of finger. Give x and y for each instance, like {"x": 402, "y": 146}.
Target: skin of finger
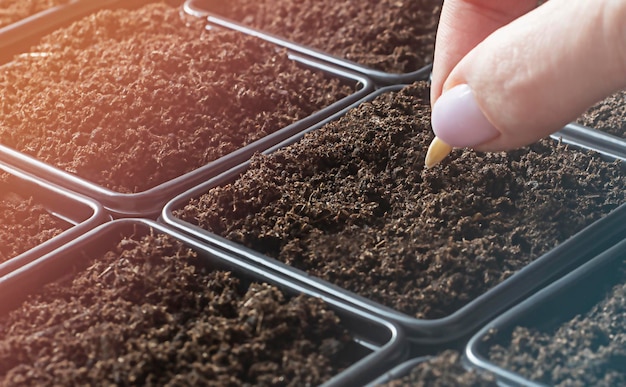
{"x": 543, "y": 70}
{"x": 463, "y": 25}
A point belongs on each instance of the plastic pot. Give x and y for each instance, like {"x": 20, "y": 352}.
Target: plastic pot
{"x": 458, "y": 326}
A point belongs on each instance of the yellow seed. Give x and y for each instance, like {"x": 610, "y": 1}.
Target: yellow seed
{"x": 437, "y": 151}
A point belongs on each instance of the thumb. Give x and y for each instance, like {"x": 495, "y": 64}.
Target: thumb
{"x": 533, "y": 76}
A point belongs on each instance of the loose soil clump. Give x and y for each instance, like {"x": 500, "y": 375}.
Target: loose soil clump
{"x": 443, "y": 370}
{"x": 608, "y": 115}
{"x": 146, "y": 313}
{"x": 129, "y": 99}
{"x": 12, "y": 11}
{"x": 388, "y": 35}
{"x": 588, "y": 350}
{"x": 24, "y": 223}
{"x": 352, "y": 204}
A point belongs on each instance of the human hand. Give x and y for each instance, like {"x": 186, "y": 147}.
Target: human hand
{"x": 507, "y": 73}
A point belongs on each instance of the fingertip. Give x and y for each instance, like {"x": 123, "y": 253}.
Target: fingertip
{"x": 458, "y": 120}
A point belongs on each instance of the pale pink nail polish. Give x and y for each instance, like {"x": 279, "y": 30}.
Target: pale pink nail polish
{"x": 457, "y": 120}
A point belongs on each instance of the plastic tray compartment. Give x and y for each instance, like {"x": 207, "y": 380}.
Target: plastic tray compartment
{"x": 79, "y": 213}
{"x": 454, "y": 328}
{"x": 149, "y": 202}
{"x": 19, "y": 36}
{"x": 376, "y": 345}
{"x": 573, "y": 311}
{"x": 199, "y": 8}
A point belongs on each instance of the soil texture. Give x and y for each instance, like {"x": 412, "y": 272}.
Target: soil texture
{"x": 387, "y": 35}
{"x": 24, "y": 223}
{"x": 146, "y": 313}
{"x": 129, "y": 99}
{"x": 351, "y": 203}
{"x": 588, "y": 350}
{"x": 608, "y": 115}
{"x": 12, "y": 11}
{"x": 443, "y": 370}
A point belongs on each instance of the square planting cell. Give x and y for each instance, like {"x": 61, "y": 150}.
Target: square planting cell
{"x": 571, "y": 333}
{"x": 440, "y": 250}
{"x": 132, "y": 106}
{"x": 23, "y": 22}
{"x": 36, "y": 218}
{"x": 389, "y": 40}
{"x": 132, "y": 303}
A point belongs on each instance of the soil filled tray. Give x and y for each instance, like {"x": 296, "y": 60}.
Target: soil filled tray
{"x": 393, "y": 40}
{"x": 352, "y": 205}
{"x": 444, "y": 369}
{"x": 132, "y": 303}
{"x": 130, "y": 106}
{"x": 36, "y": 218}
{"x": 571, "y": 333}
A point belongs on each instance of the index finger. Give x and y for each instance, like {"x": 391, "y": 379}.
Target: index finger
{"x": 464, "y": 24}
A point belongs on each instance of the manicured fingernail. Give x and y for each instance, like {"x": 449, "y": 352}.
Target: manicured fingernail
{"x": 457, "y": 120}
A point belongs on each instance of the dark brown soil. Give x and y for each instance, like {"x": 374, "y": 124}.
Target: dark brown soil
{"x": 608, "y": 115}
{"x": 147, "y": 314}
{"x": 131, "y": 99}
{"x": 588, "y": 350}
{"x": 24, "y": 223}
{"x": 388, "y": 35}
{"x": 352, "y": 203}
{"x": 444, "y": 370}
{"x": 15, "y": 10}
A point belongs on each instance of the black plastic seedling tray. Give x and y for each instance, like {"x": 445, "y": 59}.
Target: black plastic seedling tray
{"x": 150, "y": 202}
{"x": 197, "y": 9}
{"x": 378, "y": 344}
{"x": 81, "y": 213}
{"x": 570, "y": 297}
{"x": 612, "y": 147}
{"x": 449, "y": 330}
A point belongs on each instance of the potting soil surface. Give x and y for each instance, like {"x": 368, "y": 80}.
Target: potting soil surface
{"x": 12, "y": 11}
{"x": 129, "y": 99}
{"x": 388, "y": 35}
{"x": 24, "y": 223}
{"x": 445, "y": 370}
{"x": 608, "y": 115}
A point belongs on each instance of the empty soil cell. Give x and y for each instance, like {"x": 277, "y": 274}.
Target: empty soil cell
{"x": 146, "y": 313}
{"x": 608, "y": 115}
{"x": 588, "y": 350}
{"x": 388, "y": 35}
{"x": 352, "y": 203}
{"x": 12, "y": 11}
{"x": 129, "y": 99}
{"x": 443, "y": 370}
{"x": 24, "y": 223}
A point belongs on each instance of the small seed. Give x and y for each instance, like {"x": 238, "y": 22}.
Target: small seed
{"x": 437, "y": 151}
